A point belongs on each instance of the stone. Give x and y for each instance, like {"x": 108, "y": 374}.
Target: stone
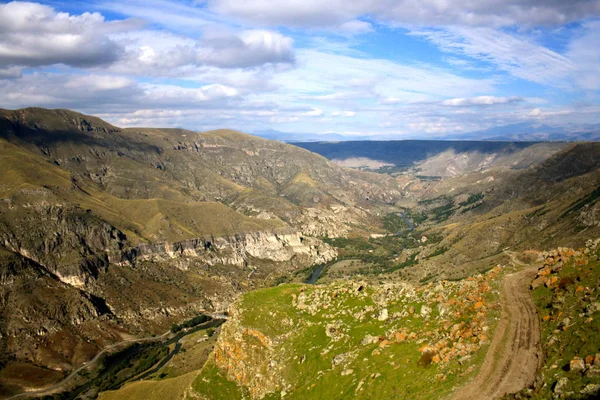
{"x": 591, "y": 389}
{"x": 383, "y": 315}
{"x": 369, "y": 339}
{"x": 425, "y": 311}
{"x": 399, "y": 337}
{"x": 577, "y": 364}
{"x": 539, "y": 281}
{"x": 560, "y": 385}
{"x": 592, "y": 372}
{"x": 551, "y": 281}
{"x": 589, "y": 360}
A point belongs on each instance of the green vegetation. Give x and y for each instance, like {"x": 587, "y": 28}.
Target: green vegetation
{"x": 578, "y": 205}
{"x": 119, "y": 367}
{"x": 474, "y": 198}
{"x": 444, "y": 212}
{"x": 321, "y": 342}
{"x": 197, "y": 320}
{"x": 439, "y": 251}
{"x": 394, "y": 222}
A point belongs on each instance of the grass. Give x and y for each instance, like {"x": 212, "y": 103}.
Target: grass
{"x": 578, "y": 205}
{"x": 299, "y": 345}
{"x": 165, "y": 389}
{"x": 149, "y": 219}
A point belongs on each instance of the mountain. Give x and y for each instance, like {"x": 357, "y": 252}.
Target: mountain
{"x": 520, "y": 132}
{"x": 111, "y": 236}
{"x": 532, "y": 132}
{"x": 108, "y": 232}
{"x": 434, "y": 158}
{"x": 292, "y": 137}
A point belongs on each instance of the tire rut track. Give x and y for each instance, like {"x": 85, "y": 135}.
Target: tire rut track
{"x": 514, "y": 355}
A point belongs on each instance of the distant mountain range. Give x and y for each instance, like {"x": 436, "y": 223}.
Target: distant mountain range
{"x": 526, "y": 132}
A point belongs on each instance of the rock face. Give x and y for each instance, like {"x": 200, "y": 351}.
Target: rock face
{"x": 126, "y": 231}
{"x": 236, "y": 249}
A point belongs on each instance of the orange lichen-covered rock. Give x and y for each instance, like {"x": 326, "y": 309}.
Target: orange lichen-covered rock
{"x": 399, "y": 337}
{"x": 551, "y": 281}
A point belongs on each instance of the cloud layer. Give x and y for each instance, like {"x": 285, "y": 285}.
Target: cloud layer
{"x": 371, "y": 67}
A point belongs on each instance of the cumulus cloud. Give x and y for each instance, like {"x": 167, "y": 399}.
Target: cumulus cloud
{"x": 106, "y": 93}
{"x": 246, "y": 49}
{"x": 480, "y": 101}
{"x": 34, "y": 35}
{"x": 356, "y": 26}
{"x": 159, "y": 53}
{"x": 11, "y": 72}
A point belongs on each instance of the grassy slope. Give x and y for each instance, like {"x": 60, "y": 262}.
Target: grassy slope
{"x": 392, "y": 366}
{"x": 142, "y": 219}
{"x": 166, "y": 389}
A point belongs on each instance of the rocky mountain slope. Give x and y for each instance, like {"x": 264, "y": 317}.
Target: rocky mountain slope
{"x": 106, "y": 232}
{"x": 437, "y": 158}
{"x": 109, "y": 233}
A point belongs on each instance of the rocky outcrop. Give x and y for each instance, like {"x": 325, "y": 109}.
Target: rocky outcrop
{"x": 274, "y": 246}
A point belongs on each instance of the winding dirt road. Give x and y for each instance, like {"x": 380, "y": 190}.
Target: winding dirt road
{"x": 514, "y": 354}
{"x": 60, "y": 386}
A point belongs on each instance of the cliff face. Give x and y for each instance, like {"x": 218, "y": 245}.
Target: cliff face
{"x": 235, "y": 249}
{"x": 65, "y": 273}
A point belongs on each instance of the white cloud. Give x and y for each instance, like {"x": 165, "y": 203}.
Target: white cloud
{"x": 171, "y": 14}
{"x": 315, "y": 112}
{"x": 516, "y": 55}
{"x": 323, "y": 74}
{"x": 160, "y": 53}
{"x": 343, "y": 113}
{"x": 11, "y": 72}
{"x": 480, "y": 101}
{"x": 105, "y": 93}
{"x": 355, "y": 26}
{"x": 584, "y": 51}
{"x": 317, "y": 13}
{"x": 32, "y": 34}
{"x": 99, "y": 82}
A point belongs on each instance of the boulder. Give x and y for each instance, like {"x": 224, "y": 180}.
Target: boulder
{"x": 383, "y": 315}
{"x": 561, "y": 385}
{"x": 577, "y": 364}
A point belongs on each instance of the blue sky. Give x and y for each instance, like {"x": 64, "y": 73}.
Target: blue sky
{"x": 380, "y": 68}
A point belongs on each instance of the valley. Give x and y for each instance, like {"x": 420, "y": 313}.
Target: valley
{"x": 406, "y": 278}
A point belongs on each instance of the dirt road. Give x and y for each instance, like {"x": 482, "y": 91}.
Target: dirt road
{"x": 514, "y": 354}
{"x": 59, "y": 386}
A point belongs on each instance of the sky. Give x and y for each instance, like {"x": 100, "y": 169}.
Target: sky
{"x": 381, "y": 68}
